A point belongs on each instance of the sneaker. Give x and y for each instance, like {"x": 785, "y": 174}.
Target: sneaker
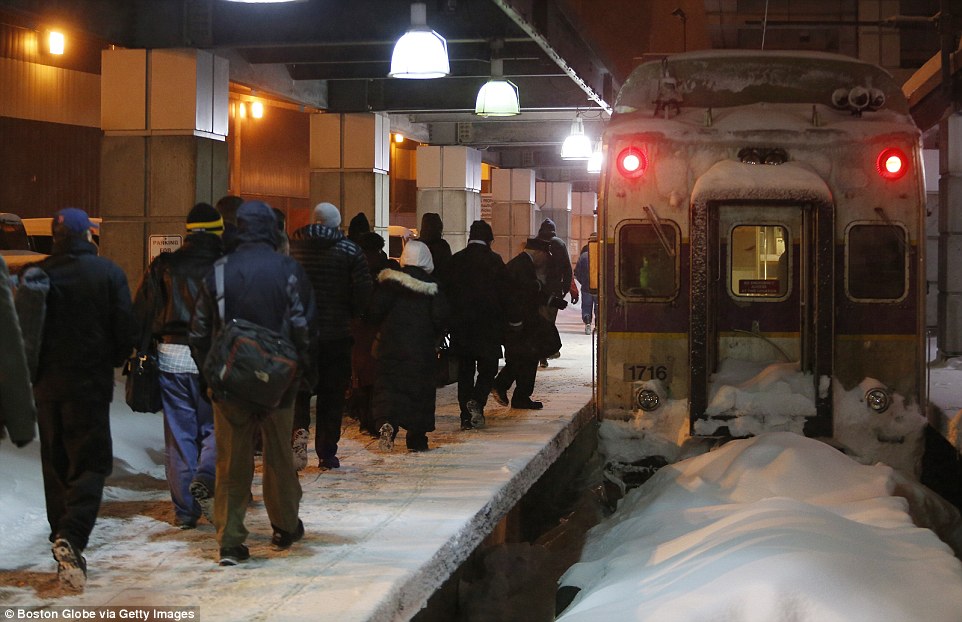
{"x": 186, "y": 524}
{"x": 299, "y": 447}
{"x": 587, "y": 329}
{"x": 477, "y": 416}
{"x": 233, "y": 555}
{"x": 528, "y": 404}
{"x": 556, "y": 355}
{"x": 282, "y": 540}
{"x": 499, "y": 396}
{"x": 330, "y": 462}
{"x": 205, "y": 499}
{"x": 71, "y": 565}
{"x": 543, "y": 363}
{"x": 386, "y": 437}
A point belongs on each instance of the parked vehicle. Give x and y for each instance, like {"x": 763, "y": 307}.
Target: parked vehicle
{"x": 15, "y": 246}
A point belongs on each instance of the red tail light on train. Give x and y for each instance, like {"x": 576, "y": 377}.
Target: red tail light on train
{"x": 632, "y": 162}
{"x": 892, "y": 163}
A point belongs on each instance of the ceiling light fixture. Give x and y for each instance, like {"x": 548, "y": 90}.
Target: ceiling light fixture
{"x": 576, "y": 146}
{"x": 498, "y": 97}
{"x": 596, "y": 160}
{"x": 420, "y": 53}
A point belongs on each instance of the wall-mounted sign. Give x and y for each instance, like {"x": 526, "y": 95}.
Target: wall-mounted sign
{"x": 158, "y": 244}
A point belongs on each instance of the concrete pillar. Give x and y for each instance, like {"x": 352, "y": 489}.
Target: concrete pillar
{"x": 555, "y": 200}
{"x": 449, "y": 184}
{"x": 350, "y": 160}
{"x": 164, "y": 116}
{"x": 950, "y": 236}
{"x": 512, "y": 210}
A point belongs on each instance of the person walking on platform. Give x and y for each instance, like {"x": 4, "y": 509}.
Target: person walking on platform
{"x": 259, "y": 285}
{"x": 582, "y": 274}
{"x": 410, "y": 312}
{"x": 163, "y": 307}
{"x": 342, "y": 287}
{"x": 530, "y": 336}
{"x": 88, "y": 331}
{"x": 556, "y": 276}
{"x": 475, "y": 284}
{"x": 432, "y": 227}
{"x": 18, "y": 412}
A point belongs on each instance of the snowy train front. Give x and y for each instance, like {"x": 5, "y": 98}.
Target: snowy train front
{"x": 759, "y": 259}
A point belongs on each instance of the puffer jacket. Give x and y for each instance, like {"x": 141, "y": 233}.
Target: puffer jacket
{"x": 18, "y": 414}
{"x": 260, "y": 286}
{"x": 340, "y": 275}
{"x": 167, "y": 295}
{"x": 88, "y": 329}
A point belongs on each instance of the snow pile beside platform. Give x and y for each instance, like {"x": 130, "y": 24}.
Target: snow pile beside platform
{"x": 777, "y": 527}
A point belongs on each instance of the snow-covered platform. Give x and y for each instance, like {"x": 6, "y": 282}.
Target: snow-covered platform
{"x": 383, "y": 532}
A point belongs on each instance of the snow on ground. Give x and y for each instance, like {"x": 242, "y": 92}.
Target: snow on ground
{"x": 773, "y": 528}
{"x": 383, "y": 532}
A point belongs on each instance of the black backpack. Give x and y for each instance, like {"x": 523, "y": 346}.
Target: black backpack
{"x": 248, "y": 363}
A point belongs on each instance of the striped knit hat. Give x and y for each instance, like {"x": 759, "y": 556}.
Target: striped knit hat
{"x": 203, "y": 217}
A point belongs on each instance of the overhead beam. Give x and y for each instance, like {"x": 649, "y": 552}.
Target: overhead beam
{"x": 378, "y": 70}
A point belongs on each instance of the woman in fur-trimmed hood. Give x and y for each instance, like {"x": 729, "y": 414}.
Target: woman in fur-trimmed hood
{"x": 410, "y": 312}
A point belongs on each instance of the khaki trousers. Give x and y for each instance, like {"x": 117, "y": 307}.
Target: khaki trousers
{"x": 234, "y": 428}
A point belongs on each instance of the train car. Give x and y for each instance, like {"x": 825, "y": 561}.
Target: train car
{"x": 760, "y": 259}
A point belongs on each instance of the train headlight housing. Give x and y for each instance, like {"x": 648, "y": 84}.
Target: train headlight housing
{"x": 878, "y": 399}
{"x": 632, "y": 162}
{"x": 648, "y": 400}
{"x": 891, "y": 163}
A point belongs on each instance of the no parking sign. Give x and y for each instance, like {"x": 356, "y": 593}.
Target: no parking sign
{"x": 158, "y": 244}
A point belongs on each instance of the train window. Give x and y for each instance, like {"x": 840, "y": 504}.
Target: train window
{"x": 758, "y": 261}
{"x": 875, "y": 258}
{"x": 648, "y": 262}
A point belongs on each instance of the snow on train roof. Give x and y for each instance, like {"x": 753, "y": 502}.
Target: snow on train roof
{"x": 725, "y": 78}
{"x": 789, "y": 181}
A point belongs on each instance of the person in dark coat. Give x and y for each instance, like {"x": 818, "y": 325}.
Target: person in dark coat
{"x": 358, "y": 226}
{"x": 163, "y": 306}
{"x": 88, "y": 331}
{"x": 410, "y": 312}
{"x": 475, "y": 284}
{"x": 342, "y": 286}
{"x": 227, "y": 208}
{"x": 362, "y": 362}
{"x": 530, "y": 336}
{"x": 18, "y": 413}
{"x": 430, "y": 233}
{"x": 267, "y": 288}
{"x": 557, "y": 275}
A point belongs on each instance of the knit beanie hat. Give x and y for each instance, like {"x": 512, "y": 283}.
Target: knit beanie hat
{"x": 481, "y": 230}
{"x": 203, "y": 217}
{"x": 328, "y": 215}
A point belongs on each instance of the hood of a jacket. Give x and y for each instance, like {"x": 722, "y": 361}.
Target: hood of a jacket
{"x": 256, "y": 223}
{"x": 319, "y": 234}
{"x": 409, "y": 280}
{"x": 431, "y": 227}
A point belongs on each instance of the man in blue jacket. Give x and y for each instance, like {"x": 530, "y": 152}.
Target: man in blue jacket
{"x": 270, "y": 289}
{"x": 88, "y": 331}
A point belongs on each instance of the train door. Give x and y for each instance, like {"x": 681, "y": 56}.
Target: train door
{"x": 760, "y": 304}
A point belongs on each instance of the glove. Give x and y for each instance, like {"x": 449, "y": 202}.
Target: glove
{"x": 557, "y": 303}
{"x": 574, "y": 299}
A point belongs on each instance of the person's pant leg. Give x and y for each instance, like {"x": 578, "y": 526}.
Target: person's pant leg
{"x": 466, "y": 368}
{"x": 53, "y": 461}
{"x": 526, "y": 369}
{"x": 302, "y": 411}
{"x": 587, "y": 306}
{"x": 181, "y": 448}
{"x": 85, "y": 436}
{"x": 487, "y": 370}
{"x": 334, "y": 371}
{"x": 282, "y": 490}
{"x": 234, "y": 434}
{"x": 207, "y": 459}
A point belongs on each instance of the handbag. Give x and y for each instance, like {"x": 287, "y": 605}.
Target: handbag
{"x": 143, "y": 381}
{"x": 447, "y": 367}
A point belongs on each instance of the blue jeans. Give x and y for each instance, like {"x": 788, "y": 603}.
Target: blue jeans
{"x": 589, "y": 306}
{"x": 189, "y": 446}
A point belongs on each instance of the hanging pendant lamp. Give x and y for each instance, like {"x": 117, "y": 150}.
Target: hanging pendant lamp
{"x": 576, "y": 146}
{"x": 420, "y": 53}
{"x": 596, "y": 160}
{"x": 498, "y": 97}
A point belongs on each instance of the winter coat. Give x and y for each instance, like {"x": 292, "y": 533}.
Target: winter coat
{"x": 260, "y": 286}
{"x": 536, "y": 337}
{"x": 339, "y": 273}
{"x": 581, "y": 269}
{"x": 430, "y": 233}
{"x": 18, "y": 414}
{"x": 168, "y": 293}
{"x": 476, "y": 286}
{"x": 410, "y": 313}
{"x": 88, "y": 329}
{"x": 558, "y": 277}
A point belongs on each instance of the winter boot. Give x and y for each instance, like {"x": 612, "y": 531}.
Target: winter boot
{"x": 71, "y": 565}
{"x": 477, "y": 416}
{"x": 386, "y": 440}
{"x": 205, "y": 499}
{"x": 299, "y": 447}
